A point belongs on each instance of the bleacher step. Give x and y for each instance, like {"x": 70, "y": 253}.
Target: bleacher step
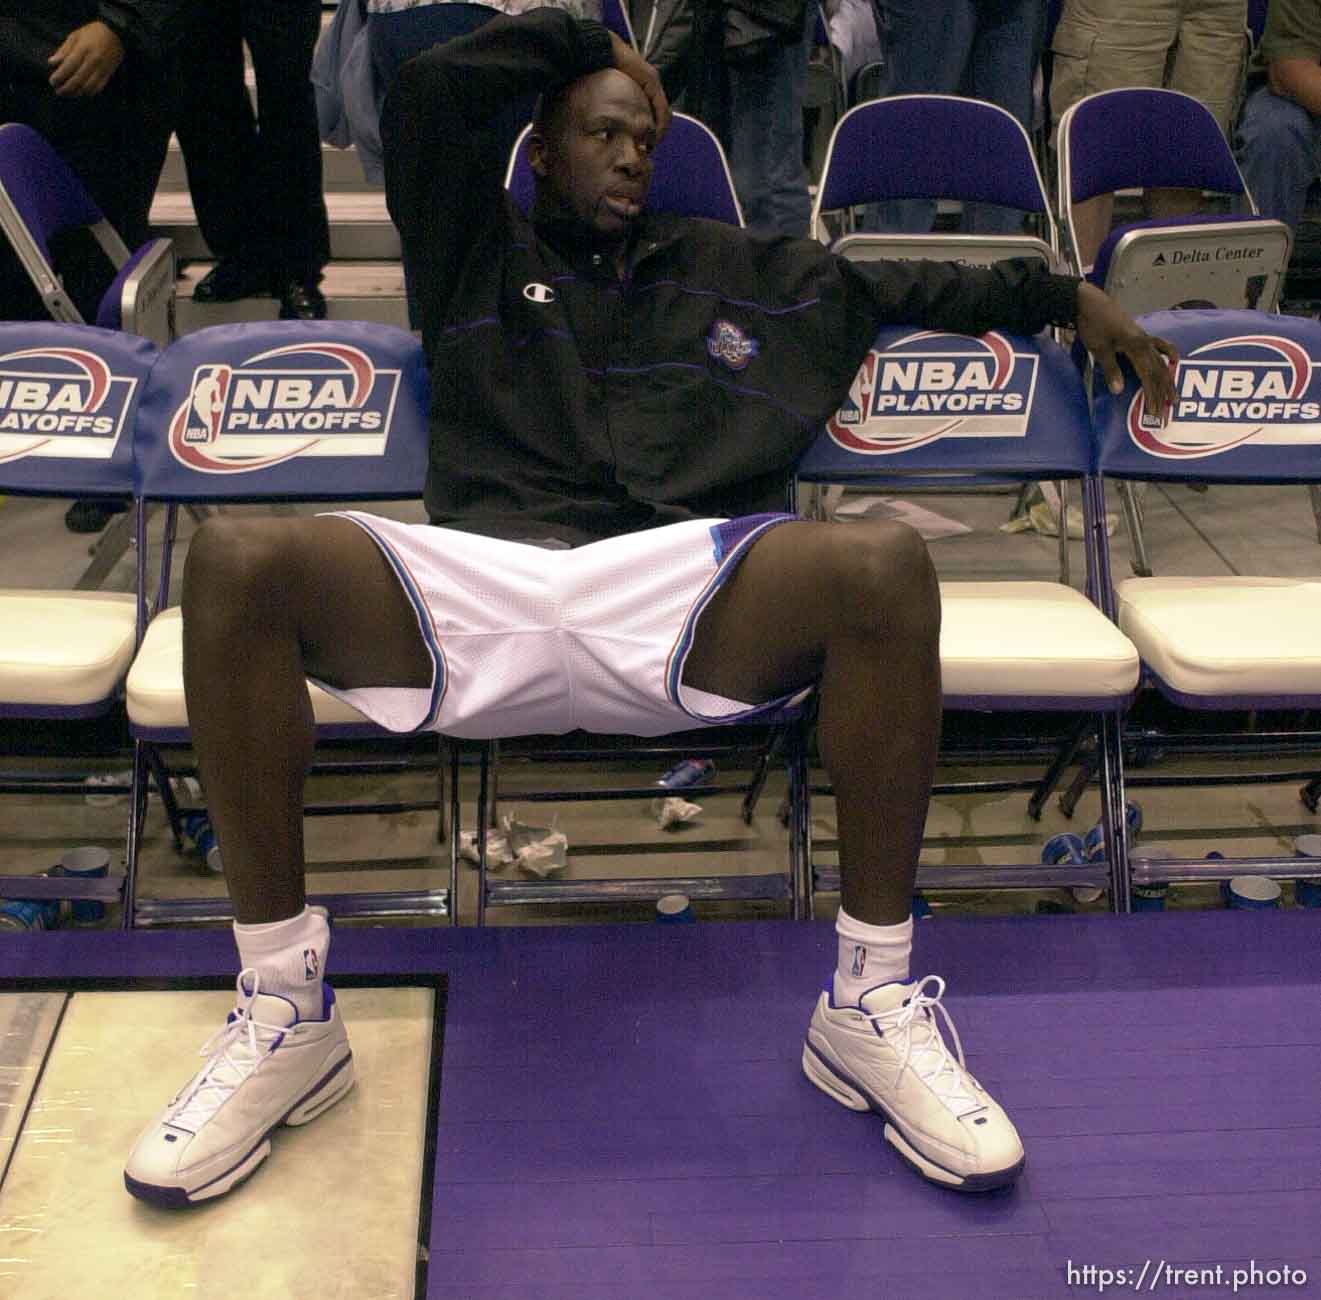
{"x": 360, "y": 226}
{"x": 340, "y": 170}
{"x": 371, "y": 291}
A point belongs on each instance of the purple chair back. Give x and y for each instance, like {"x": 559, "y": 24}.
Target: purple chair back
{"x": 615, "y": 16}
{"x": 902, "y": 148}
{"x": 44, "y": 191}
{"x": 1116, "y": 139}
{"x": 691, "y": 177}
{"x": 1257, "y": 19}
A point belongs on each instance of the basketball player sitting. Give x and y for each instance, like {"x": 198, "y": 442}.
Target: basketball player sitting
{"x": 618, "y": 397}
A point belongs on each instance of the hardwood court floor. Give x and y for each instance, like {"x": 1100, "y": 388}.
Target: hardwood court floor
{"x": 622, "y": 1113}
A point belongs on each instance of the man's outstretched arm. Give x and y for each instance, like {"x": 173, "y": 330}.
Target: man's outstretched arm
{"x": 1020, "y": 296}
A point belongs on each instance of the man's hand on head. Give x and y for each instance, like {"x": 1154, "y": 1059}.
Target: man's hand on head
{"x": 633, "y": 65}
{"x": 1107, "y": 331}
{"x": 86, "y": 60}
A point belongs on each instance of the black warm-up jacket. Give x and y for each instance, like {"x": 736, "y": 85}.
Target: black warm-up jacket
{"x": 567, "y": 402}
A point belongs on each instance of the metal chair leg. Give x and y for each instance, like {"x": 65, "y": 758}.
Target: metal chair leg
{"x": 757, "y": 782}
{"x": 1132, "y": 508}
{"x": 1109, "y": 746}
{"x": 442, "y": 757}
{"x": 1050, "y": 778}
{"x": 802, "y": 883}
{"x": 137, "y": 816}
{"x": 160, "y": 774}
{"x": 484, "y": 784}
{"x": 455, "y": 823}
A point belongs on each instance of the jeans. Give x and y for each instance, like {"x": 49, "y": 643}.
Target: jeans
{"x": 986, "y": 49}
{"x": 1278, "y": 144}
{"x": 766, "y": 136}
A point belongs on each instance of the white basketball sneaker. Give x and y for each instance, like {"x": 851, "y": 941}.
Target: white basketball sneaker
{"x": 264, "y": 1068}
{"x": 887, "y": 1055}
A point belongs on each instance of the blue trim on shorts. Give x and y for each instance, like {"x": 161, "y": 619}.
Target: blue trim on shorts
{"x": 728, "y": 533}
{"x": 440, "y": 673}
{"x": 730, "y": 541}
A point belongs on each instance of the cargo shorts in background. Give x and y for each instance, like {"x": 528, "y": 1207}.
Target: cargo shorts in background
{"x": 1196, "y": 46}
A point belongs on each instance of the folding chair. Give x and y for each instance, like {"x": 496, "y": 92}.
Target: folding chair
{"x": 1257, "y": 20}
{"x": 1119, "y": 139}
{"x": 278, "y": 412}
{"x": 899, "y": 148}
{"x": 1247, "y": 411}
{"x": 68, "y": 402}
{"x": 40, "y": 197}
{"x": 691, "y": 176}
{"x": 932, "y": 408}
{"x": 614, "y": 14}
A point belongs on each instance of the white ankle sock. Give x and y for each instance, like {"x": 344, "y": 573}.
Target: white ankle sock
{"x": 289, "y": 956}
{"x": 869, "y": 955}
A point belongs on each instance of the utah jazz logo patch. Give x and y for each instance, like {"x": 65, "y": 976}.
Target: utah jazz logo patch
{"x": 730, "y": 345}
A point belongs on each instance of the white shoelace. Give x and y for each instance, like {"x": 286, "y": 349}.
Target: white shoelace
{"x": 929, "y": 1058}
{"x": 234, "y": 1051}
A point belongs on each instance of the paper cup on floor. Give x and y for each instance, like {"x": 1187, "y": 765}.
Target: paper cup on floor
{"x": 1307, "y": 889}
{"x": 674, "y": 909}
{"x": 1253, "y": 893}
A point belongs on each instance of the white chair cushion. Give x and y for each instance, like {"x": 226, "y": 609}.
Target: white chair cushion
{"x": 155, "y": 683}
{"x": 64, "y": 648}
{"x": 1227, "y": 636}
{"x": 1031, "y": 641}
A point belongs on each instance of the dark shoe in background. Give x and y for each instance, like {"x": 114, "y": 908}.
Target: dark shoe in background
{"x": 300, "y": 301}
{"x": 92, "y": 516}
{"x": 230, "y": 279}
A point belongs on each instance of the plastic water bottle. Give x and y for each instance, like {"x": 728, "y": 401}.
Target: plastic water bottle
{"x": 23, "y": 914}
{"x": 1063, "y": 848}
{"x": 1093, "y": 843}
{"x": 688, "y": 772}
{"x": 197, "y": 827}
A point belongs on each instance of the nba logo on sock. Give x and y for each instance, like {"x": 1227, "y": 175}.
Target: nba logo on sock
{"x": 311, "y": 967}
{"x": 859, "y": 960}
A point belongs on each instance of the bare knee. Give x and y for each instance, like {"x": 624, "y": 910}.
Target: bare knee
{"x": 884, "y": 581}
{"x": 240, "y": 568}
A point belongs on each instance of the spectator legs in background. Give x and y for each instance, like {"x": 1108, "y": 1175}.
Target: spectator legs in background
{"x": 766, "y": 136}
{"x": 1002, "y": 64}
{"x": 984, "y": 48}
{"x": 292, "y": 224}
{"x": 256, "y": 178}
{"x": 1278, "y": 144}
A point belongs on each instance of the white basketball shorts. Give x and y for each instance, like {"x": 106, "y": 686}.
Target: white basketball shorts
{"x": 530, "y": 641}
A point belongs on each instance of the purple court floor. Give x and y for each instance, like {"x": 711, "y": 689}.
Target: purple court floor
{"x": 622, "y": 1113}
